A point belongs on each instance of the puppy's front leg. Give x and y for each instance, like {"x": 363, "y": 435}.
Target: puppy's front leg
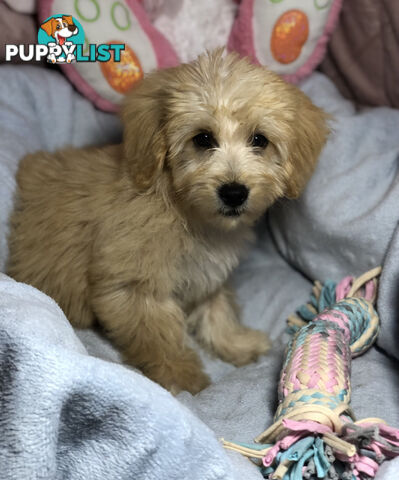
{"x": 216, "y": 325}
{"x": 151, "y": 336}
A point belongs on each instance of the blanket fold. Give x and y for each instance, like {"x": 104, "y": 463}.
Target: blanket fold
{"x": 65, "y": 414}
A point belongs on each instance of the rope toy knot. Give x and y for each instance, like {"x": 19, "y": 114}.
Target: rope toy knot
{"x": 315, "y": 433}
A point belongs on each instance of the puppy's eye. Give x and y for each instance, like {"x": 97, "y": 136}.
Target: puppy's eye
{"x": 204, "y": 140}
{"x": 259, "y": 141}
{"x": 58, "y": 27}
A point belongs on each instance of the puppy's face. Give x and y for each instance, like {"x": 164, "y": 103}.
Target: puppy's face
{"x": 231, "y": 137}
{"x": 224, "y": 152}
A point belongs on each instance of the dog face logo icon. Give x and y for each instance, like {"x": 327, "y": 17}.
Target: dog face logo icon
{"x": 60, "y": 28}
{"x": 61, "y": 33}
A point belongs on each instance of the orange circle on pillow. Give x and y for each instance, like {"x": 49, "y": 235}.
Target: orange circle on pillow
{"x": 124, "y": 74}
{"x": 289, "y": 34}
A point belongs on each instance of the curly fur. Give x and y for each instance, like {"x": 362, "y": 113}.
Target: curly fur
{"x": 133, "y": 236}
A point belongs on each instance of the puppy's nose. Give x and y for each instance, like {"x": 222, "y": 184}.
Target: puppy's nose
{"x": 71, "y": 28}
{"x": 233, "y": 194}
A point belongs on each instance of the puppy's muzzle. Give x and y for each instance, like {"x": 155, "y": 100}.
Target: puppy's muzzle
{"x": 233, "y": 194}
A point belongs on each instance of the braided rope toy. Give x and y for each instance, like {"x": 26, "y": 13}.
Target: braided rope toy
{"x": 315, "y": 434}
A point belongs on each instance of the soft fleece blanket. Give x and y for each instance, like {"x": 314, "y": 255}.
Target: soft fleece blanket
{"x": 68, "y": 409}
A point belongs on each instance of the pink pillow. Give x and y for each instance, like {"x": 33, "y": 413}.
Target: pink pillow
{"x": 289, "y": 36}
{"x": 123, "y": 21}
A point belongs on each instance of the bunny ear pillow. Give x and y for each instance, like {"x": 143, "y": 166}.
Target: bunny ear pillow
{"x": 289, "y": 36}
{"x": 105, "y": 22}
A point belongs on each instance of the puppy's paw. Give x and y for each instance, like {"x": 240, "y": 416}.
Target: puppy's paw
{"x": 193, "y": 383}
{"x": 187, "y": 374}
{"x": 184, "y": 373}
{"x": 244, "y": 346}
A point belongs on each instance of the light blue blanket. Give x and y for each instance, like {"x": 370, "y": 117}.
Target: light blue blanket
{"x": 68, "y": 409}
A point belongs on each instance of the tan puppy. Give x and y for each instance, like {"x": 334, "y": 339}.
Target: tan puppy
{"x": 143, "y": 236}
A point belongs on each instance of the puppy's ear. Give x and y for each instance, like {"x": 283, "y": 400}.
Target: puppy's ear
{"x": 68, "y": 19}
{"x": 143, "y": 138}
{"x": 310, "y": 133}
{"x": 48, "y": 26}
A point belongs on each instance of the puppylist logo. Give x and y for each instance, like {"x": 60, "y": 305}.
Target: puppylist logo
{"x": 62, "y": 40}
